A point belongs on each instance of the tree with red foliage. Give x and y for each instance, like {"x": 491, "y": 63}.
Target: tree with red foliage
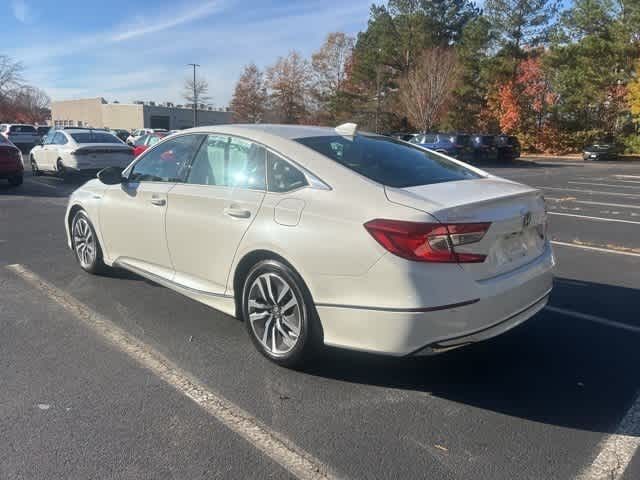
{"x": 523, "y": 106}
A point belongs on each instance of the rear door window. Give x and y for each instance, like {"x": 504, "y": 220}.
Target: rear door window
{"x": 229, "y": 162}
{"x": 388, "y": 161}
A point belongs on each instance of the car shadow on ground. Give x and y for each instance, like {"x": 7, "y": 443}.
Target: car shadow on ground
{"x": 49, "y": 186}
{"x": 554, "y": 369}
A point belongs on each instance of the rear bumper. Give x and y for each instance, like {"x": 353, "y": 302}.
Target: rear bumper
{"x": 502, "y": 304}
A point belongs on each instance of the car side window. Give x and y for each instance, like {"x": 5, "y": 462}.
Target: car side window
{"x": 60, "y": 139}
{"x": 282, "y": 176}
{"x": 229, "y": 162}
{"x": 166, "y": 162}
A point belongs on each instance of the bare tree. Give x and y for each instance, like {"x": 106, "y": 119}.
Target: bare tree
{"x": 426, "y": 89}
{"x": 288, "y": 82}
{"x": 10, "y": 75}
{"x": 249, "y": 101}
{"x": 10, "y": 81}
{"x": 197, "y": 95}
{"x": 32, "y": 103}
{"x": 329, "y": 64}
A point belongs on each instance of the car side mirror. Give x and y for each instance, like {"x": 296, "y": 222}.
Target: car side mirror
{"x": 111, "y": 176}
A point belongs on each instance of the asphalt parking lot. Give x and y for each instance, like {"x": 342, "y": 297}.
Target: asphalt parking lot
{"x": 553, "y": 399}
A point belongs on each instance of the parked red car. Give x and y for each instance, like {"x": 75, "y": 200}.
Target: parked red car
{"x": 146, "y": 141}
{"x": 11, "y": 166}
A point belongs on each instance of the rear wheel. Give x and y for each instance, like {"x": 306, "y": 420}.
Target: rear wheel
{"x": 34, "y": 167}
{"x": 279, "y": 314}
{"x": 85, "y": 244}
{"x": 62, "y": 171}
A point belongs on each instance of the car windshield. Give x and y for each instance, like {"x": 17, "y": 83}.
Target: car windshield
{"x": 388, "y": 161}
{"x": 95, "y": 137}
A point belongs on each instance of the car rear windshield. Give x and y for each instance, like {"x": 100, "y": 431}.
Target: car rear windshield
{"x": 388, "y": 161}
{"x": 22, "y": 129}
{"x": 95, "y": 137}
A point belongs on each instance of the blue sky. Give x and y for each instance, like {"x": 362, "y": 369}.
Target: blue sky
{"x": 138, "y": 49}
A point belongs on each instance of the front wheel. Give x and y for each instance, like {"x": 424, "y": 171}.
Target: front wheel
{"x": 279, "y": 314}
{"x": 85, "y": 244}
{"x": 16, "y": 181}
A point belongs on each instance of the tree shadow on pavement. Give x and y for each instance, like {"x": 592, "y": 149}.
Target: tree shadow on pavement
{"x": 554, "y": 369}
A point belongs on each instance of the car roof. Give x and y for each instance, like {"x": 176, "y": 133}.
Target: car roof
{"x": 290, "y": 132}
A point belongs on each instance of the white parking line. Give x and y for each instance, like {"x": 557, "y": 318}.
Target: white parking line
{"x": 595, "y": 249}
{"x": 628, "y": 176}
{"x": 617, "y": 449}
{"x": 594, "y": 319}
{"x": 599, "y": 219}
{"x": 596, "y": 192}
{"x": 603, "y": 184}
{"x": 281, "y": 450}
{"x": 627, "y": 181}
{"x": 587, "y": 202}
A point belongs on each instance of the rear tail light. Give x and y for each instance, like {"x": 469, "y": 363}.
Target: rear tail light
{"x": 428, "y": 242}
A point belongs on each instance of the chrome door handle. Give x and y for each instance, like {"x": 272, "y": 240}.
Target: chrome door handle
{"x": 158, "y": 201}
{"x": 237, "y": 212}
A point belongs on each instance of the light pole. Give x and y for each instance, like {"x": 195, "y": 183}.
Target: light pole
{"x": 195, "y": 95}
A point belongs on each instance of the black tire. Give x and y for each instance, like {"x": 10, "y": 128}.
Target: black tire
{"x": 34, "y": 167}
{"x": 62, "y": 171}
{"x": 16, "y": 181}
{"x": 96, "y": 265}
{"x": 309, "y": 337}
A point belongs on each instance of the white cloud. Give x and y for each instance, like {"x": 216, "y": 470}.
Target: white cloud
{"x": 102, "y": 64}
{"x": 146, "y": 25}
{"x": 20, "y": 10}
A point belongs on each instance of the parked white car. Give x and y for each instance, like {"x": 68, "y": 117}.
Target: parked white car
{"x": 71, "y": 151}
{"x": 22, "y": 136}
{"x": 316, "y": 235}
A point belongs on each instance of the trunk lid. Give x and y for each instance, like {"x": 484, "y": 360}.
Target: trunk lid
{"x": 517, "y": 214}
{"x": 101, "y": 155}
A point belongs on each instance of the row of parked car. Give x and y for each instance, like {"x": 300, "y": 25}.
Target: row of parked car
{"x": 70, "y": 150}
{"x": 466, "y": 147}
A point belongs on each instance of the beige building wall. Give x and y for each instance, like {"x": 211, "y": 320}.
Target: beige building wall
{"x": 97, "y": 113}
{"x": 70, "y": 112}
{"x": 118, "y": 115}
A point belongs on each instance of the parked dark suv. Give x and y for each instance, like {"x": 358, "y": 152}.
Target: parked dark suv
{"x": 508, "y": 147}
{"x": 453, "y": 144}
{"x": 484, "y": 147}
{"x": 604, "y": 149}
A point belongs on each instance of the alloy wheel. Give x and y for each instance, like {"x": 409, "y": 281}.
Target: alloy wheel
{"x": 274, "y": 313}
{"x": 84, "y": 242}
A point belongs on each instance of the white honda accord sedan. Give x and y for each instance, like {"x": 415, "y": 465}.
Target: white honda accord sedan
{"x": 318, "y": 236}
{"x": 65, "y": 152}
